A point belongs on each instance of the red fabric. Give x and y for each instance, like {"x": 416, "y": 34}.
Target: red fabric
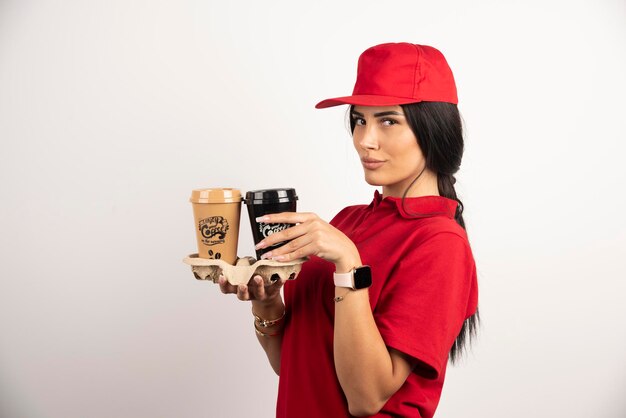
{"x": 399, "y": 73}
{"x": 424, "y": 286}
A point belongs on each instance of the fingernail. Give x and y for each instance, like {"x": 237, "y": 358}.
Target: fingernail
{"x": 221, "y": 279}
{"x": 262, "y": 219}
{"x": 278, "y": 258}
{"x": 266, "y": 255}
{"x": 260, "y": 245}
{"x": 257, "y": 280}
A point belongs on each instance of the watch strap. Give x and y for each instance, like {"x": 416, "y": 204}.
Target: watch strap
{"x": 344, "y": 279}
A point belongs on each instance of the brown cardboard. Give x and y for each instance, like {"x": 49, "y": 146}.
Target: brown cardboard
{"x": 244, "y": 270}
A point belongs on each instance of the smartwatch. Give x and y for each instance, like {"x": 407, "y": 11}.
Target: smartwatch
{"x": 357, "y": 278}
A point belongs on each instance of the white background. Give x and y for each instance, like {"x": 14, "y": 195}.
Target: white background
{"x": 112, "y": 111}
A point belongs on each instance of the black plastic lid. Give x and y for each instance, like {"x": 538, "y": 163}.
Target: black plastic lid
{"x": 256, "y": 197}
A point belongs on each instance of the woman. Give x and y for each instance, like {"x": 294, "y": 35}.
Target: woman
{"x": 389, "y": 293}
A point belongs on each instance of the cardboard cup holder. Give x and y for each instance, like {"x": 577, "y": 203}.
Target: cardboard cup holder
{"x": 245, "y": 268}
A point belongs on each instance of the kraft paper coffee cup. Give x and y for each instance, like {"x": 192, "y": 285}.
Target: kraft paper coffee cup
{"x": 216, "y": 215}
{"x": 263, "y": 202}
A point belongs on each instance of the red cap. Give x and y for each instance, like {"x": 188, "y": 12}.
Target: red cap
{"x": 399, "y": 73}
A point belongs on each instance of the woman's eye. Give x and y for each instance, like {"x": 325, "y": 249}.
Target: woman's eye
{"x": 388, "y": 122}
{"x": 358, "y": 121}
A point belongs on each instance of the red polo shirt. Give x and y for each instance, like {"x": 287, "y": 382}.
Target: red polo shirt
{"x": 424, "y": 287}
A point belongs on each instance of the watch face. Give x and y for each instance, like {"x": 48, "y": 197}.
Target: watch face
{"x": 362, "y": 277}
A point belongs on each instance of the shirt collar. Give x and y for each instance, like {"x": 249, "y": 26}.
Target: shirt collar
{"x": 417, "y": 207}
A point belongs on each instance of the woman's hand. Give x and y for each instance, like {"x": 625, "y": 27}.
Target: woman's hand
{"x": 255, "y": 289}
{"x": 310, "y": 235}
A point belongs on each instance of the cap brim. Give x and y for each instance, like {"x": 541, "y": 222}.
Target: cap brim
{"x": 366, "y": 100}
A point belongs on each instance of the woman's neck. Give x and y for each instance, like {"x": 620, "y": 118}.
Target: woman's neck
{"x": 426, "y": 185}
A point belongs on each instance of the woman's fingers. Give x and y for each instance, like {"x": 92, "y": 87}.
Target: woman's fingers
{"x": 242, "y": 292}
{"x": 258, "y": 287}
{"x": 255, "y": 290}
{"x": 291, "y": 250}
{"x": 281, "y": 236}
{"x": 307, "y": 223}
{"x": 286, "y": 217}
{"x": 273, "y": 289}
{"x": 261, "y": 291}
{"x": 226, "y": 287}
{"x": 300, "y": 252}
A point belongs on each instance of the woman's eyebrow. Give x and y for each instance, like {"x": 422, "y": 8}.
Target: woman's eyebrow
{"x": 390, "y": 113}
{"x": 379, "y": 114}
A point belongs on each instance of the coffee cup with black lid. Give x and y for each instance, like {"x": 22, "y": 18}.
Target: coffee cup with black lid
{"x": 264, "y": 202}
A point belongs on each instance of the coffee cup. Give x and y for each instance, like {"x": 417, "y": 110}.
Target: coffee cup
{"x": 264, "y": 202}
{"x": 216, "y": 215}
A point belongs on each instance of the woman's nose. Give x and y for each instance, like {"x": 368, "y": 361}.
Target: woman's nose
{"x": 368, "y": 139}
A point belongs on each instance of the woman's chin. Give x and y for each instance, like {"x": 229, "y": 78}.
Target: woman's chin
{"x": 373, "y": 180}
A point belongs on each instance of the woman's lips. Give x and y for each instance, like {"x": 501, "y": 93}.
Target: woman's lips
{"x": 371, "y": 164}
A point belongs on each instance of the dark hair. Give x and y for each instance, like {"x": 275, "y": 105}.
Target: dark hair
{"x": 439, "y": 132}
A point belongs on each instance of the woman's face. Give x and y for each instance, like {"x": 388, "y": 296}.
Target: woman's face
{"x": 387, "y": 148}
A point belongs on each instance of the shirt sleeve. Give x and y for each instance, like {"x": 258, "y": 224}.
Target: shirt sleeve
{"x": 426, "y": 299}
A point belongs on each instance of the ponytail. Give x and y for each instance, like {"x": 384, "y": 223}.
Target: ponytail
{"x": 469, "y": 329}
{"x": 438, "y": 129}
{"x": 445, "y": 183}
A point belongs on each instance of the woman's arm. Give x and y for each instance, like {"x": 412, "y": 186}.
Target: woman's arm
{"x": 369, "y": 372}
{"x": 267, "y": 304}
{"x": 270, "y": 338}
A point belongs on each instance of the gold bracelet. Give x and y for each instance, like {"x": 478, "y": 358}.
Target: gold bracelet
{"x": 266, "y": 323}
{"x": 338, "y": 299}
{"x": 266, "y": 334}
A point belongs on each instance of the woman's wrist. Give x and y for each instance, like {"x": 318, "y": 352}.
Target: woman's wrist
{"x": 269, "y": 309}
{"x": 268, "y": 322}
{"x": 345, "y": 265}
{"x": 267, "y": 332}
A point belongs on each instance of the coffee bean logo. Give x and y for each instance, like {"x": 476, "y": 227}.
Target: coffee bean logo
{"x": 214, "y": 256}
